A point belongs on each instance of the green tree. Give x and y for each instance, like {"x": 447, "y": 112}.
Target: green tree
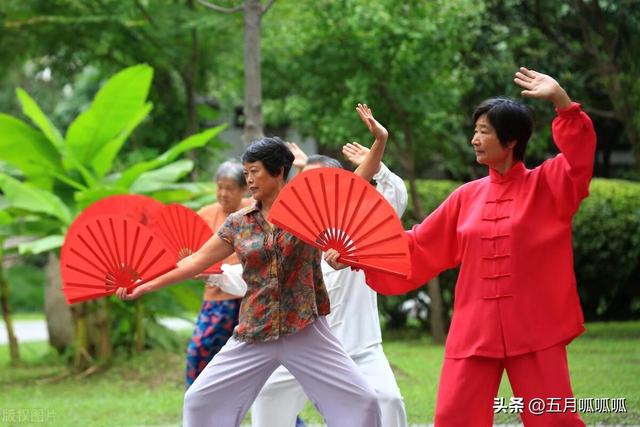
{"x": 192, "y": 54}
{"x": 590, "y": 45}
{"x": 61, "y": 175}
{"x": 252, "y": 11}
{"x": 404, "y": 59}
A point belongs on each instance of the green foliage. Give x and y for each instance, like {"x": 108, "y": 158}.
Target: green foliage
{"x": 26, "y": 284}
{"x": 28, "y": 150}
{"x": 63, "y": 175}
{"x": 33, "y": 199}
{"x": 130, "y": 175}
{"x": 194, "y": 52}
{"x": 404, "y": 59}
{"x": 607, "y": 250}
{"x": 96, "y": 136}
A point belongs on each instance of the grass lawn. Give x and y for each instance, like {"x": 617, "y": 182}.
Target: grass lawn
{"x": 147, "y": 389}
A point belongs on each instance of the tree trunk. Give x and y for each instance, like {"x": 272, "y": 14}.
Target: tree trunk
{"x": 433, "y": 287}
{"x": 190, "y": 76}
{"x": 14, "y": 349}
{"x": 82, "y": 358}
{"x": 138, "y": 333}
{"x": 56, "y": 310}
{"x": 101, "y": 331}
{"x": 252, "y": 72}
{"x": 417, "y": 211}
{"x": 437, "y": 315}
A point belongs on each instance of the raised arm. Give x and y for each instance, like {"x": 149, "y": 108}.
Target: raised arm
{"x": 299, "y": 157}
{"x": 214, "y": 250}
{"x": 390, "y": 185}
{"x": 568, "y": 175}
{"x": 433, "y": 248}
{"x": 541, "y": 86}
{"x": 371, "y": 163}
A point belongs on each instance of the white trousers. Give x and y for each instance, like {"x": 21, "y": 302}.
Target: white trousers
{"x": 224, "y": 391}
{"x": 282, "y": 398}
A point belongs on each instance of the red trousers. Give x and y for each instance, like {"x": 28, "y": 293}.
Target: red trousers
{"x": 468, "y": 386}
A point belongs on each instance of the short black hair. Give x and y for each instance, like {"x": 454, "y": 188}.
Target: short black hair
{"x": 272, "y": 152}
{"x": 512, "y": 121}
{"x": 320, "y": 159}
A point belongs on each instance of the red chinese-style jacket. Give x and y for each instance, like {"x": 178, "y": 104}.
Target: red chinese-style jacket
{"x": 511, "y": 236}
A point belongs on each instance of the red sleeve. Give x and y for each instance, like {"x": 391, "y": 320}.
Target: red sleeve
{"x": 569, "y": 173}
{"x": 433, "y": 247}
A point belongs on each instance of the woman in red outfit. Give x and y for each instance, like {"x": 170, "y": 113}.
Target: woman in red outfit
{"x": 516, "y": 304}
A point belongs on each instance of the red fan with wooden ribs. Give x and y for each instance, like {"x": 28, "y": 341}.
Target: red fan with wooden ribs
{"x": 107, "y": 252}
{"x": 332, "y": 208}
{"x": 184, "y": 232}
{"x": 142, "y": 209}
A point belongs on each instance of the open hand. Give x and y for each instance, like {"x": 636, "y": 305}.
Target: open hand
{"x": 541, "y": 86}
{"x": 299, "y": 157}
{"x": 355, "y": 152}
{"x": 378, "y": 131}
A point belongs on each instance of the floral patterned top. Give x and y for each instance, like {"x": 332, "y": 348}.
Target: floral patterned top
{"x": 285, "y": 290}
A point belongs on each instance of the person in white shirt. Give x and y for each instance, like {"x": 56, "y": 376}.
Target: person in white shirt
{"x": 353, "y": 319}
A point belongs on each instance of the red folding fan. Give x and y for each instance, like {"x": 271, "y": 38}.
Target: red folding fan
{"x": 184, "y": 232}
{"x": 334, "y": 208}
{"x": 142, "y": 209}
{"x": 108, "y": 252}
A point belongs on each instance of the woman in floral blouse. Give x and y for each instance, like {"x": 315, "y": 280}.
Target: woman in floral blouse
{"x": 282, "y": 316}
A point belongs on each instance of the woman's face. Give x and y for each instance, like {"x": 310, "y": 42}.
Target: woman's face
{"x": 261, "y": 184}
{"x": 229, "y": 194}
{"x": 487, "y": 146}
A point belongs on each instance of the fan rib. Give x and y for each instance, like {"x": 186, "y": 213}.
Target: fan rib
{"x": 135, "y": 246}
{"x": 171, "y": 238}
{"x": 362, "y": 237}
{"x": 383, "y": 255}
{"x": 336, "y": 190}
{"x": 328, "y": 230}
{"x": 174, "y": 224}
{"x": 96, "y": 256}
{"x": 196, "y": 237}
{"x": 75, "y": 285}
{"x": 115, "y": 242}
{"x": 344, "y": 235}
{"x": 109, "y": 262}
{"x": 85, "y": 259}
{"x": 295, "y": 215}
{"x": 126, "y": 242}
{"x": 378, "y": 242}
{"x": 355, "y": 237}
{"x": 136, "y": 267}
{"x": 86, "y": 273}
{"x": 323, "y": 225}
{"x": 316, "y": 232}
{"x": 153, "y": 261}
{"x": 106, "y": 243}
{"x": 188, "y": 247}
{"x": 357, "y": 209}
